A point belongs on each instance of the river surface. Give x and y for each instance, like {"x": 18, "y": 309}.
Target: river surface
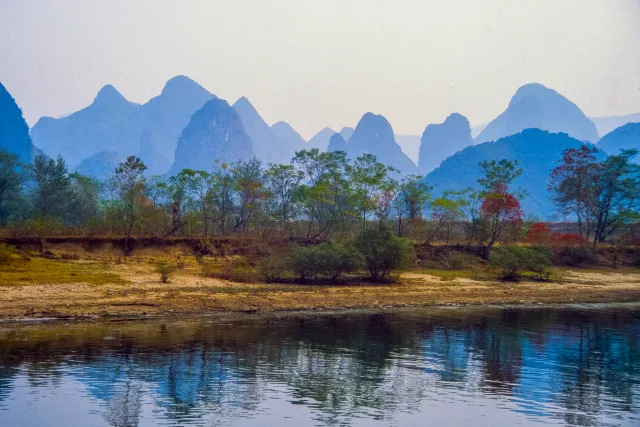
{"x": 577, "y": 366}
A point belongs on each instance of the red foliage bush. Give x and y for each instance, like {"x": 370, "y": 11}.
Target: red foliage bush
{"x": 567, "y": 239}
{"x": 538, "y": 234}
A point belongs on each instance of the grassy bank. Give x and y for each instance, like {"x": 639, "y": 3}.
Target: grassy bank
{"x": 70, "y": 282}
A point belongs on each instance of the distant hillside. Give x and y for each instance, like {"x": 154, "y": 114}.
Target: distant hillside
{"x": 625, "y": 137}
{"x": 320, "y": 140}
{"x": 374, "y": 135}
{"x": 288, "y": 140}
{"x": 537, "y": 152}
{"x": 606, "y": 125}
{"x": 535, "y": 106}
{"x": 14, "y": 132}
{"x": 215, "y": 132}
{"x": 114, "y": 123}
{"x": 440, "y": 141}
{"x": 100, "y": 165}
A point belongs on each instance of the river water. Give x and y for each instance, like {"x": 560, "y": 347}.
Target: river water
{"x": 577, "y": 366}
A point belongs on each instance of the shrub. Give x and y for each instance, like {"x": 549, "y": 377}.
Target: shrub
{"x": 538, "y": 234}
{"x": 576, "y": 256}
{"x": 331, "y": 260}
{"x": 6, "y": 252}
{"x": 512, "y": 261}
{"x": 274, "y": 266}
{"x": 383, "y": 251}
{"x": 236, "y": 269}
{"x": 165, "y": 269}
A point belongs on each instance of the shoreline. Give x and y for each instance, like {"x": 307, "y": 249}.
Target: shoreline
{"x": 247, "y": 315}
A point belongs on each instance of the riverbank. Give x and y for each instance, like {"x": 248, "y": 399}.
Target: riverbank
{"x": 123, "y": 288}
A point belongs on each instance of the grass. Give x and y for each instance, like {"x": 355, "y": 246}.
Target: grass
{"x": 49, "y": 271}
{"x": 480, "y": 274}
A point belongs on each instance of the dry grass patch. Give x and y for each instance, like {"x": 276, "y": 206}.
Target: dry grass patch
{"x": 20, "y": 271}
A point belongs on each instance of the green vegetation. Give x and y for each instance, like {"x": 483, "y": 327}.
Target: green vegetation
{"x": 165, "y": 269}
{"x": 339, "y": 218}
{"x": 513, "y": 261}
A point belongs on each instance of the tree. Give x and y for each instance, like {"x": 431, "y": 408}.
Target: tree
{"x": 602, "y": 195}
{"x": 366, "y": 177}
{"x": 200, "y": 185}
{"x": 283, "y": 182}
{"x": 502, "y": 212}
{"x": 222, "y": 196}
{"x": 322, "y": 192}
{"x": 128, "y": 187}
{"x": 571, "y": 185}
{"x": 52, "y": 187}
{"x": 616, "y": 194}
{"x": 11, "y": 180}
{"x": 446, "y": 211}
{"x": 248, "y": 185}
{"x": 84, "y": 201}
{"x": 411, "y": 194}
{"x": 499, "y": 174}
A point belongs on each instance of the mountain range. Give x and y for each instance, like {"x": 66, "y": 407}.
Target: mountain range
{"x": 113, "y": 122}
{"x": 626, "y": 137}
{"x": 186, "y": 126}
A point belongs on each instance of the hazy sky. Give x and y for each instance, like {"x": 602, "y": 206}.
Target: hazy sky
{"x": 316, "y": 63}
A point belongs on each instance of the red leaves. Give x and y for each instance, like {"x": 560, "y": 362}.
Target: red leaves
{"x": 502, "y": 205}
{"x": 567, "y": 240}
{"x": 538, "y": 234}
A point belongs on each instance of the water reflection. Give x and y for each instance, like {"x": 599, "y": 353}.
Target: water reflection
{"x": 578, "y": 366}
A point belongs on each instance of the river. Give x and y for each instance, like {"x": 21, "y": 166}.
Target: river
{"x": 574, "y": 366}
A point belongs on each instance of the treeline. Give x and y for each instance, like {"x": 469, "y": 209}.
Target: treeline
{"x": 319, "y": 195}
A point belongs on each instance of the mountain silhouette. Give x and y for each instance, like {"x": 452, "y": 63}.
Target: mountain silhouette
{"x": 440, "y": 141}
{"x": 374, "y": 135}
{"x": 410, "y": 145}
{"x": 214, "y": 133}
{"x": 537, "y": 153}
{"x": 626, "y": 137}
{"x": 536, "y": 106}
{"x": 346, "y": 133}
{"x": 289, "y": 141}
{"x": 112, "y": 122}
{"x": 337, "y": 143}
{"x": 14, "y": 132}
{"x": 320, "y": 140}
{"x": 100, "y": 166}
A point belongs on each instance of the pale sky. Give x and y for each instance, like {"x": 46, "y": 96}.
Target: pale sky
{"x": 317, "y": 63}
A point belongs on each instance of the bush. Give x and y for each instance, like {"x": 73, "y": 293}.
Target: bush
{"x": 236, "y": 269}
{"x": 512, "y": 261}
{"x": 578, "y": 256}
{"x": 274, "y": 266}
{"x": 383, "y": 251}
{"x": 330, "y": 260}
{"x": 6, "y": 252}
{"x": 165, "y": 269}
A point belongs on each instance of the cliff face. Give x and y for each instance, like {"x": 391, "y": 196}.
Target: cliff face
{"x": 215, "y": 132}
{"x": 14, "y": 132}
{"x": 440, "y": 141}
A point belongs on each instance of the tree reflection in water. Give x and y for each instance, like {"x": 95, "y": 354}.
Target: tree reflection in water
{"x": 578, "y": 366}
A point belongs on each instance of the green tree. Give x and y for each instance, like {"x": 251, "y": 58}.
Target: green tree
{"x": 249, "y": 188}
{"x": 283, "y": 182}
{"x": 128, "y": 188}
{"x": 499, "y": 174}
{"x": 84, "y": 203}
{"x": 52, "y": 187}
{"x": 11, "y": 180}
{"x": 366, "y": 178}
